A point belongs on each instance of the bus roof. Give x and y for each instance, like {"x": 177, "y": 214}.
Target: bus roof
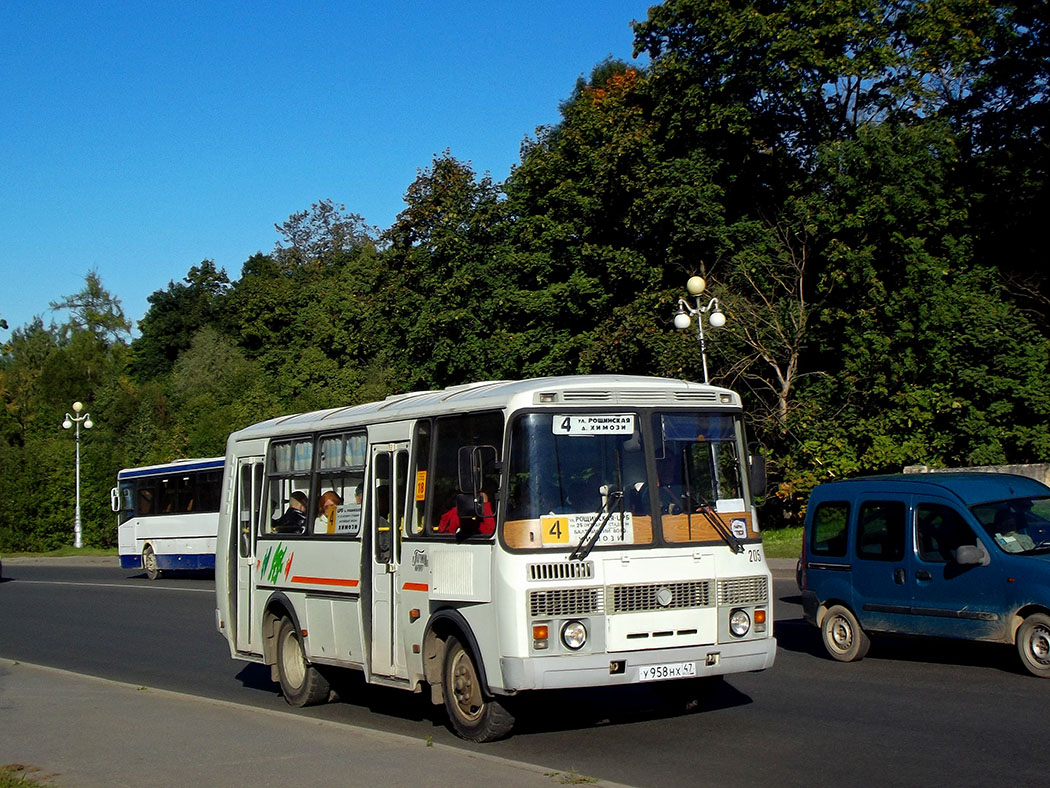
{"x": 565, "y": 391}
{"x": 200, "y": 464}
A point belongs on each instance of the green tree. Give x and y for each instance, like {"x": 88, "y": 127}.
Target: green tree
{"x": 95, "y": 310}
{"x": 442, "y": 303}
{"x": 320, "y": 237}
{"x": 175, "y": 315}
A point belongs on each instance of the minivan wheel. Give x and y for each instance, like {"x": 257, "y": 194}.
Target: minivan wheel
{"x": 843, "y": 637}
{"x": 1033, "y": 644}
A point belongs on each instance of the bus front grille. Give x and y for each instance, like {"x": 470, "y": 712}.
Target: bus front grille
{"x": 566, "y": 602}
{"x": 561, "y": 570}
{"x": 659, "y": 596}
{"x": 742, "y": 591}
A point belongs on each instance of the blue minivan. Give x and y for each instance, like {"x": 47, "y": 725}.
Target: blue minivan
{"x": 957, "y": 555}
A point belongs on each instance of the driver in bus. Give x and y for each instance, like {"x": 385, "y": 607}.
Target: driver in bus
{"x": 450, "y": 522}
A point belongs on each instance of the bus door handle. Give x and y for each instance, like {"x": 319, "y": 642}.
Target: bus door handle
{"x": 898, "y": 576}
{"x": 922, "y": 574}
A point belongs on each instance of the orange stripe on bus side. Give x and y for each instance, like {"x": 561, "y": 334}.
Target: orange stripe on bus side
{"x": 326, "y": 581}
{"x": 415, "y": 587}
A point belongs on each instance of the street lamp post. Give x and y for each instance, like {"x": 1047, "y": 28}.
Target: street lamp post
{"x": 72, "y": 421}
{"x": 686, "y": 311}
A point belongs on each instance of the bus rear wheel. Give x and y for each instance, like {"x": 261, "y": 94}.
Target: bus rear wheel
{"x": 149, "y": 563}
{"x": 301, "y": 683}
{"x": 473, "y": 716}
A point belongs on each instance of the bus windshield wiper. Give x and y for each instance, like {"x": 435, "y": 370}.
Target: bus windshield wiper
{"x": 594, "y": 530}
{"x": 711, "y": 515}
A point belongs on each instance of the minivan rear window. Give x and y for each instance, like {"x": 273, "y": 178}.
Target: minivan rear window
{"x": 828, "y": 535}
{"x": 880, "y": 530}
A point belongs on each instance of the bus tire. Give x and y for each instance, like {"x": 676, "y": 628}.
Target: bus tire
{"x": 149, "y": 563}
{"x": 474, "y": 717}
{"x": 301, "y": 683}
{"x": 1033, "y": 644}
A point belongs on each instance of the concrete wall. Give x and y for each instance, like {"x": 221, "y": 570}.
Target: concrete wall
{"x": 1040, "y": 472}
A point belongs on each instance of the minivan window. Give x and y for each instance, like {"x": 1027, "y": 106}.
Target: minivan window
{"x": 1017, "y": 525}
{"x": 880, "y": 530}
{"x": 940, "y": 531}
{"x": 828, "y": 534}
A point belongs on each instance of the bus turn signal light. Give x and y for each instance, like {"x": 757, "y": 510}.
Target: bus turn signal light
{"x": 539, "y": 636}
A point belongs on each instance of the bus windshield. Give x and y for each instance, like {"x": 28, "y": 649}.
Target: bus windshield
{"x": 638, "y": 478}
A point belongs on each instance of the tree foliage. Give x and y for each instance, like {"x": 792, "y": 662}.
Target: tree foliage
{"x": 859, "y": 181}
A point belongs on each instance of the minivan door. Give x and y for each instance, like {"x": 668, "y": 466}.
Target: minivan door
{"x": 950, "y": 599}
{"x": 881, "y": 567}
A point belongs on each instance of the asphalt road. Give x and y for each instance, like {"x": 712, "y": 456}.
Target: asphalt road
{"x": 911, "y": 713}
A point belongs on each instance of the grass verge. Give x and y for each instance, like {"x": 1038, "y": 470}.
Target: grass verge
{"x": 783, "y": 542}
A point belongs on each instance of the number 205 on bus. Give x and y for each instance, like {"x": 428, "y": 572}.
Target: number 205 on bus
{"x": 496, "y": 539}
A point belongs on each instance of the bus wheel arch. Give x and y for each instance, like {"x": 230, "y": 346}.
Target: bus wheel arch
{"x": 443, "y": 625}
{"x": 456, "y": 674}
{"x": 278, "y": 607}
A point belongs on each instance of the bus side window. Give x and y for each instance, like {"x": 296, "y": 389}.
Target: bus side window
{"x": 452, "y": 434}
{"x": 420, "y": 480}
{"x": 288, "y": 487}
{"x": 339, "y": 485}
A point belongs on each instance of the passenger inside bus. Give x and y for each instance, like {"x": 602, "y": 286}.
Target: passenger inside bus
{"x": 450, "y": 522}
{"x": 293, "y": 521}
{"x": 326, "y": 508}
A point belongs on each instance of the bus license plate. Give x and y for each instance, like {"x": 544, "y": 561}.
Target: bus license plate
{"x": 670, "y": 670}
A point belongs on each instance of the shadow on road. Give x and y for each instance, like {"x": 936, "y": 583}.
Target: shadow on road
{"x": 578, "y": 709}
{"x": 799, "y": 636}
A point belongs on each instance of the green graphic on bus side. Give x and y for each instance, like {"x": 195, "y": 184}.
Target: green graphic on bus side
{"x": 277, "y": 563}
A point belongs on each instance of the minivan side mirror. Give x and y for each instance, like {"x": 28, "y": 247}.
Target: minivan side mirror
{"x": 972, "y": 555}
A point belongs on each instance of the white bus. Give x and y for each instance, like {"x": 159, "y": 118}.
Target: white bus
{"x": 168, "y": 515}
{"x": 497, "y": 538}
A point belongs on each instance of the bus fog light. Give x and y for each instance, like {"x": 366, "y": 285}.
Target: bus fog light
{"x": 739, "y": 622}
{"x": 574, "y": 635}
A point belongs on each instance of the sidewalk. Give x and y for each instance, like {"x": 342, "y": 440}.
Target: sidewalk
{"x": 82, "y": 732}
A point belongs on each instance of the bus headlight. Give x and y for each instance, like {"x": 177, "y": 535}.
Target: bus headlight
{"x": 739, "y": 622}
{"x": 574, "y": 635}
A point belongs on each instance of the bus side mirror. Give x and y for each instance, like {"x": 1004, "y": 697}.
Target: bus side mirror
{"x": 114, "y": 499}
{"x": 475, "y": 462}
{"x": 758, "y": 474}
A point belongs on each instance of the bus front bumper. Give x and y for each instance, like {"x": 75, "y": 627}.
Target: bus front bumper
{"x": 609, "y": 669}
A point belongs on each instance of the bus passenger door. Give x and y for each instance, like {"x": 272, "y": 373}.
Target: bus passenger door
{"x": 389, "y": 484}
{"x": 249, "y": 501}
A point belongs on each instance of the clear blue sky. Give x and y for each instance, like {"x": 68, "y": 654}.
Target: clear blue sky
{"x": 138, "y": 138}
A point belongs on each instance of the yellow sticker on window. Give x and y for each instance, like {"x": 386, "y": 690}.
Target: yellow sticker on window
{"x": 421, "y": 485}
{"x": 554, "y": 529}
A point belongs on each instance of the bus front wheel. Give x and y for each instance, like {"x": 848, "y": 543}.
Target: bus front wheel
{"x": 473, "y": 716}
{"x": 301, "y": 683}
{"x": 149, "y": 563}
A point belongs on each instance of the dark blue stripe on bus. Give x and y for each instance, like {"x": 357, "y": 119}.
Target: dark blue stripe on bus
{"x": 163, "y": 469}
